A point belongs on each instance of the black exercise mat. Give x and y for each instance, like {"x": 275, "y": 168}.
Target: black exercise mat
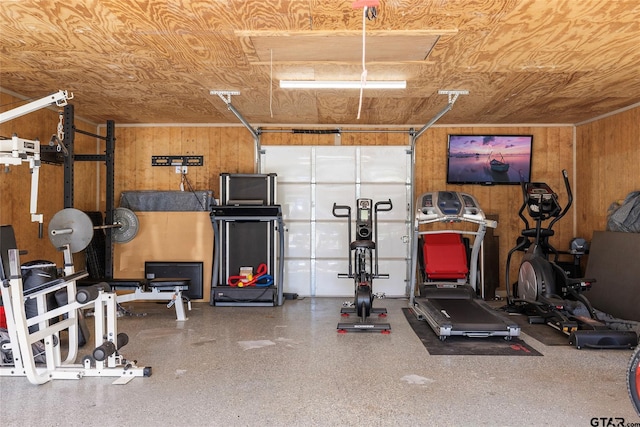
{"x": 465, "y": 346}
{"x": 541, "y": 332}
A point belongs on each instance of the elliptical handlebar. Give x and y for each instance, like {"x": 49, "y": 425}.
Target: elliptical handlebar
{"x": 567, "y": 186}
{"x": 524, "y": 202}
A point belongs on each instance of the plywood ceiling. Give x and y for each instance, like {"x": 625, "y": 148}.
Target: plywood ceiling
{"x": 155, "y": 61}
{"x": 335, "y": 46}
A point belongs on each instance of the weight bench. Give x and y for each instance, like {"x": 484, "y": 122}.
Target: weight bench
{"x": 159, "y": 289}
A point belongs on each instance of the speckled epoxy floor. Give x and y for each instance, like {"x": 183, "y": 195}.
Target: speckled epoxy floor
{"x": 273, "y": 366}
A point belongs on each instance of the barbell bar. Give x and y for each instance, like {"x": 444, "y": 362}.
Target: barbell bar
{"x": 74, "y": 228}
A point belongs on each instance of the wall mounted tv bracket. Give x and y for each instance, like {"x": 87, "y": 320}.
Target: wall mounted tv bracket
{"x": 177, "y": 160}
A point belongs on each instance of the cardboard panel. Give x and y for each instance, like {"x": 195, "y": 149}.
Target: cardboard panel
{"x": 167, "y": 236}
{"x": 613, "y": 262}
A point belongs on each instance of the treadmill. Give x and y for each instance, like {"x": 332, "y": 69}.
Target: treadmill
{"x": 446, "y": 296}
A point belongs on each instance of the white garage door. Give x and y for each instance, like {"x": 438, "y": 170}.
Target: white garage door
{"x": 310, "y": 180}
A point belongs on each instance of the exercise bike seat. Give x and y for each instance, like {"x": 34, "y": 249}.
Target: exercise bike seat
{"x": 366, "y": 244}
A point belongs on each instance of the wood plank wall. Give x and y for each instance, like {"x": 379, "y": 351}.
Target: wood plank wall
{"x": 231, "y": 149}
{"x": 225, "y": 149}
{"x": 607, "y": 159}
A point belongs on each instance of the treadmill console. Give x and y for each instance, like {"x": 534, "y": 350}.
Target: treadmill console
{"x": 448, "y": 206}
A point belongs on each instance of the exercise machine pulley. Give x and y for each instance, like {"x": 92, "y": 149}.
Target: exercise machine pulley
{"x": 73, "y": 227}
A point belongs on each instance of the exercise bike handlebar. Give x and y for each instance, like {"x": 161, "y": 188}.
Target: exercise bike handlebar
{"x": 386, "y": 203}
{"x": 377, "y": 208}
{"x": 337, "y": 207}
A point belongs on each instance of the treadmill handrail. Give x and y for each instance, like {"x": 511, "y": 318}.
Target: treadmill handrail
{"x": 455, "y": 218}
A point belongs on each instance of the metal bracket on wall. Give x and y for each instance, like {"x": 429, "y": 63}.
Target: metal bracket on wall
{"x": 177, "y": 160}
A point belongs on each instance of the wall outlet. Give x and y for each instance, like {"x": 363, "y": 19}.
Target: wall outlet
{"x": 181, "y": 169}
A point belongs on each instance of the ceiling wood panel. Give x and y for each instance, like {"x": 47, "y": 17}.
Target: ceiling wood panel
{"x": 523, "y": 61}
{"x": 320, "y": 46}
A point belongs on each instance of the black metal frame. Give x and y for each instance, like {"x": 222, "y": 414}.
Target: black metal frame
{"x": 70, "y": 130}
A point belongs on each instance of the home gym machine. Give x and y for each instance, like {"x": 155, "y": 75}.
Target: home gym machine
{"x": 447, "y": 296}
{"x": 363, "y": 266}
{"x": 544, "y": 291}
{"x": 16, "y": 151}
{"x": 105, "y": 359}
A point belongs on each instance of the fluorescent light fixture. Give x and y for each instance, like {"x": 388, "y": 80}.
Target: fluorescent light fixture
{"x": 342, "y": 84}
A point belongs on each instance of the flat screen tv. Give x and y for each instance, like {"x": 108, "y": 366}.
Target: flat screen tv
{"x": 489, "y": 159}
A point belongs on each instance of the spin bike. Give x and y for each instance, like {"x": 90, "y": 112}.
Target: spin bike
{"x": 363, "y": 265}
{"x": 544, "y": 290}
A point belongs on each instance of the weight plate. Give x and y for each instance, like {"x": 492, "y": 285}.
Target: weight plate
{"x": 70, "y": 227}
{"x": 129, "y": 225}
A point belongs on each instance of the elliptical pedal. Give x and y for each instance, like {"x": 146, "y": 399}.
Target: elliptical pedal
{"x": 603, "y": 339}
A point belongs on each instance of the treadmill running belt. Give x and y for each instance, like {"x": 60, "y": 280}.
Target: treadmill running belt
{"x": 457, "y": 345}
{"x": 467, "y": 316}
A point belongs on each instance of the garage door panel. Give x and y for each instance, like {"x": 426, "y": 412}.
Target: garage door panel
{"x": 391, "y": 240}
{"x": 335, "y": 164}
{"x": 289, "y": 168}
{"x": 295, "y": 200}
{"x": 395, "y": 285}
{"x": 327, "y": 282}
{"x": 331, "y": 240}
{"x": 327, "y": 195}
{"x": 298, "y": 240}
{"x": 297, "y": 277}
{"x": 383, "y": 164}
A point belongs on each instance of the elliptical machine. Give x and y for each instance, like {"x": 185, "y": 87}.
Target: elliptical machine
{"x": 544, "y": 291}
{"x": 363, "y": 266}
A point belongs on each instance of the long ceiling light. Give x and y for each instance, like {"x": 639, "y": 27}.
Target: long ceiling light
{"x": 342, "y": 84}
